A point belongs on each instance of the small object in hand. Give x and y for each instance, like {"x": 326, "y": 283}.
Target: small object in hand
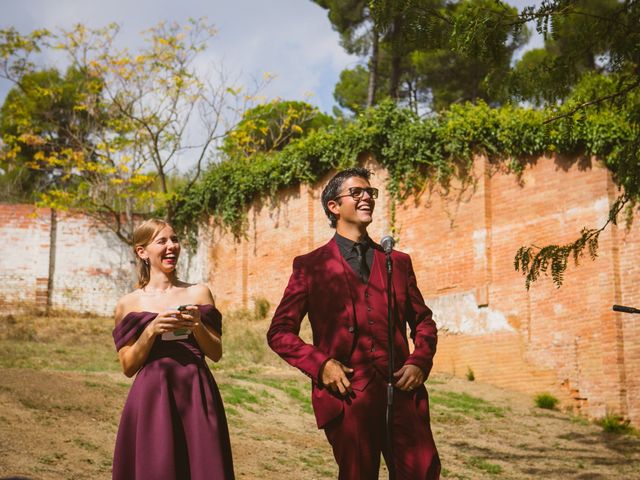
{"x": 180, "y": 333}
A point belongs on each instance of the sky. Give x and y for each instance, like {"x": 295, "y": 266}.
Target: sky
{"x": 291, "y": 39}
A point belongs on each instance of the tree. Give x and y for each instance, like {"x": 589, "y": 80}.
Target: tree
{"x": 417, "y": 61}
{"x": 451, "y": 76}
{"x": 575, "y": 45}
{"x": 402, "y": 25}
{"x": 359, "y": 35}
{"x": 602, "y": 40}
{"x": 476, "y": 72}
{"x": 463, "y": 50}
{"x": 351, "y": 91}
{"x": 271, "y": 127}
{"x": 40, "y": 119}
{"x": 157, "y": 110}
{"x": 37, "y": 118}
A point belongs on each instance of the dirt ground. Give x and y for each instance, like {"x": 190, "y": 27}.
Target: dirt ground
{"x": 61, "y": 394}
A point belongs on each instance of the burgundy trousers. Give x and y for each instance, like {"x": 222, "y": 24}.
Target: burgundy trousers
{"x": 358, "y": 435}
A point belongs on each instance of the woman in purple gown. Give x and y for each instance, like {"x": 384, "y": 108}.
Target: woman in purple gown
{"x": 173, "y": 424}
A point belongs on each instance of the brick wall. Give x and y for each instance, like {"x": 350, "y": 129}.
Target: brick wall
{"x": 92, "y": 267}
{"x": 564, "y": 341}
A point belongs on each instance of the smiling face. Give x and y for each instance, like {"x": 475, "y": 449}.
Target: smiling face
{"x": 350, "y": 212}
{"x": 162, "y": 251}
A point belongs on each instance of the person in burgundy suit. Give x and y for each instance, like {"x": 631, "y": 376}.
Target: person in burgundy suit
{"x": 341, "y": 286}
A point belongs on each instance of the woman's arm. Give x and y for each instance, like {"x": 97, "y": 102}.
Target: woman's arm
{"x": 208, "y": 339}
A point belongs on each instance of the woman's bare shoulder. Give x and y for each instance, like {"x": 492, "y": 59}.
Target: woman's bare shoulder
{"x": 200, "y": 293}
{"x": 126, "y": 304}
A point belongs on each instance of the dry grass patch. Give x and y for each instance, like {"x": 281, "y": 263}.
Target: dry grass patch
{"x": 62, "y": 392}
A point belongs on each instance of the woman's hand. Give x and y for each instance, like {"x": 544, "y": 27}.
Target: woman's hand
{"x": 170, "y": 321}
{"x": 191, "y": 317}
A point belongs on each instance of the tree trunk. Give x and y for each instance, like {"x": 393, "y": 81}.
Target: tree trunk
{"x": 53, "y": 237}
{"x": 396, "y": 59}
{"x": 373, "y": 69}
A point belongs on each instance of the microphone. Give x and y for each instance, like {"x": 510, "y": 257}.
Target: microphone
{"x": 387, "y": 243}
{"x": 622, "y": 308}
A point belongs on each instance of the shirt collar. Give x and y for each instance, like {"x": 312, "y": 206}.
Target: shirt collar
{"x": 346, "y": 245}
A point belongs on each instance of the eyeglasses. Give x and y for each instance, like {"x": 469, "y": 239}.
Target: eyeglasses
{"x": 358, "y": 192}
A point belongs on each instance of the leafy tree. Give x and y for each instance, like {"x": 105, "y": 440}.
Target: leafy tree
{"x": 271, "y": 127}
{"x": 588, "y": 71}
{"x": 156, "y": 111}
{"x": 404, "y": 26}
{"x": 352, "y": 88}
{"x": 40, "y": 121}
{"x": 593, "y": 53}
{"x": 359, "y": 35}
{"x": 575, "y": 44}
{"x": 453, "y": 76}
{"x": 417, "y": 61}
{"x": 39, "y": 117}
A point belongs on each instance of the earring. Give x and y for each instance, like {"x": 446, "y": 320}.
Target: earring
{"x": 146, "y": 262}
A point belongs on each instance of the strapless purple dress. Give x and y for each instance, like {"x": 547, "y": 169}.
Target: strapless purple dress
{"x": 173, "y": 424}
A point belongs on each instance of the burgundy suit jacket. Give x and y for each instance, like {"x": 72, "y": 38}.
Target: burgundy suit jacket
{"x": 319, "y": 287}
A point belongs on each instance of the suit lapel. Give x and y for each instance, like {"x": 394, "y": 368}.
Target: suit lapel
{"x": 338, "y": 273}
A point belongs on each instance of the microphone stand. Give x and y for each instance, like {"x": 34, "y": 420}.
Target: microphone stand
{"x": 389, "y": 415}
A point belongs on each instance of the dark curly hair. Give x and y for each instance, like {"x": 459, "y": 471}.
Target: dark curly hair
{"x": 335, "y": 184}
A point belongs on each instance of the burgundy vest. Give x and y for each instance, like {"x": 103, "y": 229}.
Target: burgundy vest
{"x": 369, "y": 304}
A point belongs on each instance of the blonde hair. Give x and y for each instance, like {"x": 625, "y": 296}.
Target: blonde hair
{"x": 143, "y": 235}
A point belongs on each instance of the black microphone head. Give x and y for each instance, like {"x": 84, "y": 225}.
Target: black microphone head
{"x": 622, "y": 308}
{"x": 387, "y": 242}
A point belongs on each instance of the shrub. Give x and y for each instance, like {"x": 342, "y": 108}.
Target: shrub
{"x": 261, "y": 307}
{"x": 546, "y": 401}
{"x": 613, "y": 423}
{"x": 470, "y": 375}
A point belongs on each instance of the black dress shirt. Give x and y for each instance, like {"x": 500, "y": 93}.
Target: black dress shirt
{"x": 350, "y": 254}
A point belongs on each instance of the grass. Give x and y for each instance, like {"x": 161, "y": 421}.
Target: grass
{"x": 61, "y": 342}
{"x": 465, "y": 404}
{"x": 615, "y": 424}
{"x": 236, "y": 395}
{"x": 546, "y": 401}
{"x": 483, "y": 465}
{"x": 297, "y": 390}
{"x": 84, "y": 444}
{"x": 86, "y": 391}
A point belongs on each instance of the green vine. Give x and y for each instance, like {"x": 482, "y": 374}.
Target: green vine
{"x": 414, "y": 151}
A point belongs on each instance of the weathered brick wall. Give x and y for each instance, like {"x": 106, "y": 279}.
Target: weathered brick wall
{"x": 564, "y": 341}
{"x": 24, "y": 258}
{"x": 92, "y": 267}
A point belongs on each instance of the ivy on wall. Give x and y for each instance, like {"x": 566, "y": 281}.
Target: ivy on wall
{"x": 413, "y": 150}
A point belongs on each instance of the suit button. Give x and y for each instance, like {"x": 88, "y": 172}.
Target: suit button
{"x": 351, "y": 329}
{"x": 366, "y": 294}
{"x": 373, "y": 349}
{"x": 368, "y": 309}
{"x": 370, "y": 322}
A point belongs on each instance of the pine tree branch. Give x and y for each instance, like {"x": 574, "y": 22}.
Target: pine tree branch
{"x": 534, "y": 260}
{"x": 596, "y": 101}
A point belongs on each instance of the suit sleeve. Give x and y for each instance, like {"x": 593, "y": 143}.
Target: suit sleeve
{"x": 423, "y": 329}
{"x": 283, "y": 335}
